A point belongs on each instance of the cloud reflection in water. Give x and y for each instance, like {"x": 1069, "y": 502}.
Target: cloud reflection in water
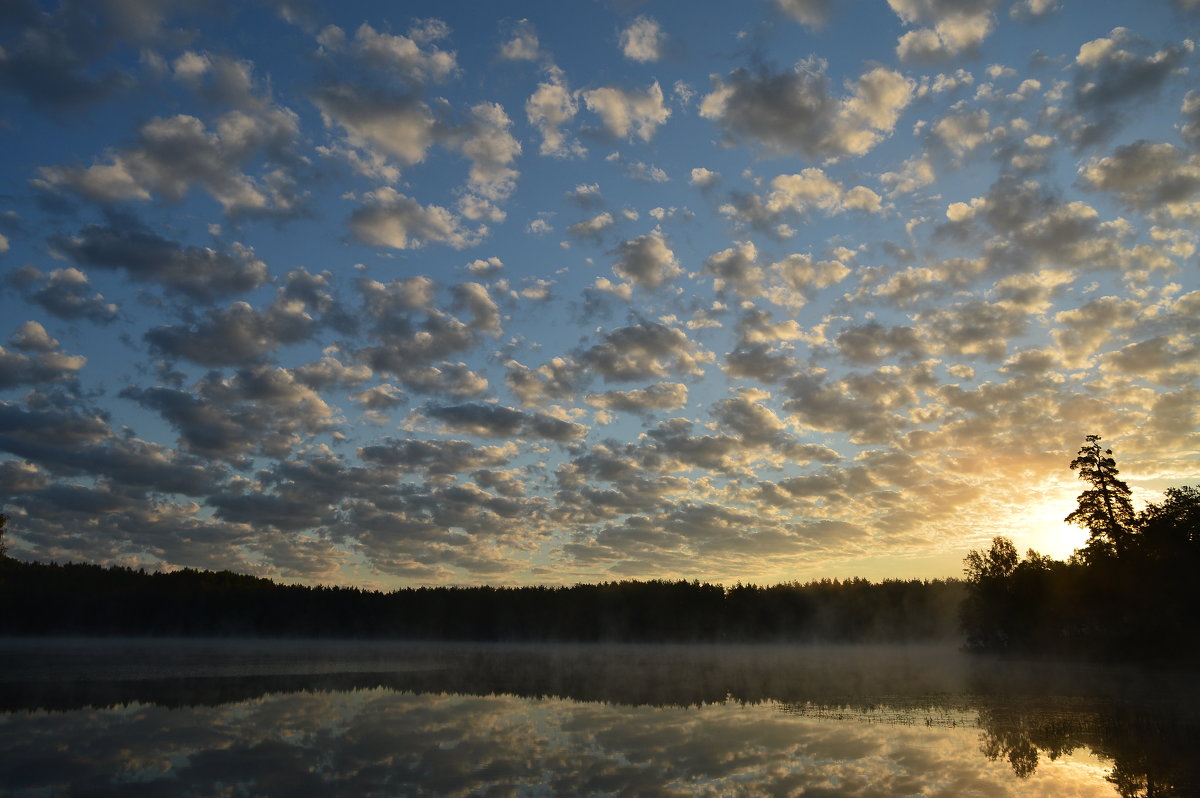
{"x": 383, "y": 742}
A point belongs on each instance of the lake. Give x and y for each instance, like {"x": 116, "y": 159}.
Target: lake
{"x": 231, "y": 718}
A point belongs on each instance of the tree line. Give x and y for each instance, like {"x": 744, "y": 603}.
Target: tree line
{"x": 1131, "y": 593}
{"x": 85, "y": 599}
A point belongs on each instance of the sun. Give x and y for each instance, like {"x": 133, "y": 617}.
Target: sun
{"x": 1044, "y": 530}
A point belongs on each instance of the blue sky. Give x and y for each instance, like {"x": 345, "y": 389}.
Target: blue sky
{"x": 555, "y": 292}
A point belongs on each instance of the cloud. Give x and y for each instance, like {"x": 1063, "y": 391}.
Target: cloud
{"x": 585, "y": 195}
{"x": 957, "y": 27}
{"x": 915, "y": 173}
{"x": 629, "y": 112}
{"x": 261, "y": 409}
{"x": 976, "y": 328}
{"x": 198, "y": 273}
{"x": 550, "y": 107}
{"x": 174, "y": 153}
{"x": 446, "y": 457}
{"x": 557, "y": 379}
{"x": 640, "y": 170}
{"x": 485, "y": 267}
{"x": 38, "y": 360}
{"x": 736, "y": 269}
{"x": 868, "y": 407}
{"x": 1163, "y": 360}
{"x": 813, "y": 13}
{"x": 491, "y": 148}
{"x": 646, "y": 261}
{"x": 962, "y": 133}
{"x": 1112, "y": 73}
{"x": 704, "y": 178}
{"x": 391, "y": 219}
{"x": 644, "y": 351}
{"x": 59, "y": 61}
{"x": 411, "y": 336}
{"x": 593, "y": 227}
{"x": 872, "y": 343}
{"x": 329, "y": 372}
{"x": 642, "y": 40}
{"x": 412, "y": 58}
{"x": 1035, "y": 228}
{"x": 767, "y": 385}
{"x": 802, "y": 274}
{"x": 1191, "y": 115}
{"x": 388, "y": 127}
{"x": 377, "y": 400}
{"x": 522, "y": 44}
{"x": 497, "y": 421}
{"x": 399, "y": 127}
{"x": 809, "y": 191}
{"x": 73, "y": 440}
{"x": 659, "y": 396}
{"x": 63, "y": 293}
{"x": 759, "y": 361}
{"x": 485, "y": 313}
{"x": 796, "y": 111}
{"x": 234, "y": 335}
{"x": 1147, "y": 176}
{"x": 1033, "y": 9}
{"x": 1086, "y": 328}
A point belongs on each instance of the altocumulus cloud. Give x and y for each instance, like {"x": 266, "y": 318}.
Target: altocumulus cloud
{"x": 326, "y": 295}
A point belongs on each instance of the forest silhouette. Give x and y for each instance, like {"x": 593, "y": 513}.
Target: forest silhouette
{"x": 1129, "y": 594}
{"x": 83, "y": 599}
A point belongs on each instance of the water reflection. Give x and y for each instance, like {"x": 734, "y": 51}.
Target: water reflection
{"x": 203, "y": 719}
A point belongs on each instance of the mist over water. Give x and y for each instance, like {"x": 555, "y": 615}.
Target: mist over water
{"x": 199, "y": 717}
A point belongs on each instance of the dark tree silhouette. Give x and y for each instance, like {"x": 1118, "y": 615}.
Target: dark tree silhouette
{"x": 1105, "y": 509}
{"x": 41, "y": 598}
{"x": 1171, "y": 529}
{"x": 998, "y": 562}
{"x": 1130, "y": 594}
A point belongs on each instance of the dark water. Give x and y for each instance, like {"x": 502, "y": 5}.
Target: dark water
{"x": 307, "y": 718}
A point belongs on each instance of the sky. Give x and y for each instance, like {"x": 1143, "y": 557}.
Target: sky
{"x": 505, "y": 293}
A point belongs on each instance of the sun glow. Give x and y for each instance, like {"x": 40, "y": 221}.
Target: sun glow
{"x": 1042, "y": 528}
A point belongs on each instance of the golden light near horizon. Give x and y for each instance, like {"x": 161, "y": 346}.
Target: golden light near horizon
{"x": 1044, "y": 530}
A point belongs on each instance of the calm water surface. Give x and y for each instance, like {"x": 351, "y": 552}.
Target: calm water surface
{"x": 359, "y": 719}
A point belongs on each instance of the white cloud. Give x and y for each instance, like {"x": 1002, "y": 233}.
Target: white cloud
{"x": 398, "y": 127}
{"x": 523, "y": 44}
{"x": 915, "y": 173}
{"x": 175, "y": 153}
{"x": 956, "y": 27}
{"x": 642, "y": 40}
{"x": 391, "y": 219}
{"x": 404, "y": 54}
{"x": 593, "y": 227}
{"x": 487, "y": 142}
{"x": 629, "y": 112}
{"x": 704, "y": 178}
{"x": 1033, "y": 9}
{"x": 549, "y": 108}
{"x": 962, "y": 133}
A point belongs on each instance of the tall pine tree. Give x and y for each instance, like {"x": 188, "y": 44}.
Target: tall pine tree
{"x": 1105, "y": 509}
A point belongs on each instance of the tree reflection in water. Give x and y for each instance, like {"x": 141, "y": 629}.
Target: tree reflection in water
{"x": 1151, "y": 748}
